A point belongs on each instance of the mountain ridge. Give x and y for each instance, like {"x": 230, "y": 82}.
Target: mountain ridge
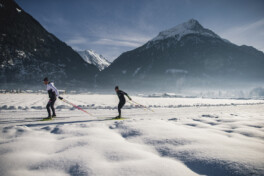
{"x": 29, "y": 53}
{"x": 186, "y": 61}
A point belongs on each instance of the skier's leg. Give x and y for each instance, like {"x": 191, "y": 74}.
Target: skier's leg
{"x": 48, "y": 108}
{"x": 52, "y": 107}
{"x": 119, "y": 108}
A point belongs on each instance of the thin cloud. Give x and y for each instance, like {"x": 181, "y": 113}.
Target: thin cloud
{"x": 123, "y": 40}
{"x": 249, "y": 34}
{"x": 77, "y": 40}
{"x": 249, "y": 27}
{"x": 128, "y": 43}
{"x": 135, "y": 38}
{"x": 119, "y": 35}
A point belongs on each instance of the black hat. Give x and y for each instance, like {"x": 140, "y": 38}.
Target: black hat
{"x": 45, "y": 79}
{"x": 116, "y": 87}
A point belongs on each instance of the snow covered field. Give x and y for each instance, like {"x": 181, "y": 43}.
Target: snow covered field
{"x": 183, "y": 136}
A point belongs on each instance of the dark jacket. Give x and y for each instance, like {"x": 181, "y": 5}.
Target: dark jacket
{"x": 121, "y": 96}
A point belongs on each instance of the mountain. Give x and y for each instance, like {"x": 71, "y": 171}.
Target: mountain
{"x": 181, "y": 30}
{"x": 29, "y": 53}
{"x": 185, "y": 56}
{"x": 93, "y": 58}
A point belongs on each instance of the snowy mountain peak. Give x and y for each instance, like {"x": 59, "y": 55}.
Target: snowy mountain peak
{"x": 92, "y": 57}
{"x": 190, "y": 27}
{"x": 192, "y": 24}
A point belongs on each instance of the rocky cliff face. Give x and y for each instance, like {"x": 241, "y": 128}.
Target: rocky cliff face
{"x": 28, "y": 53}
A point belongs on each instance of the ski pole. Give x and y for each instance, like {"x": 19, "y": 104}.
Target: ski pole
{"x": 136, "y": 105}
{"x": 76, "y": 107}
{"x": 142, "y": 105}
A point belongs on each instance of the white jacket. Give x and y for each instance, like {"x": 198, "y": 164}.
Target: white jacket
{"x": 51, "y": 86}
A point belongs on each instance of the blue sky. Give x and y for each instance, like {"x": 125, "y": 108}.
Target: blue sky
{"x": 111, "y": 27}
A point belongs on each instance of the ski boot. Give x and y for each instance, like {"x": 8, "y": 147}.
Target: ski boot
{"x": 117, "y": 117}
{"x": 47, "y": 118}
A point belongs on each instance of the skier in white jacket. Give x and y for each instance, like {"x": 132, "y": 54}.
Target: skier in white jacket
{"x": 53, "y": 94}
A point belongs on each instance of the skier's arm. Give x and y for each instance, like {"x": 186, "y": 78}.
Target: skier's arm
{"x": 127, "y": 95}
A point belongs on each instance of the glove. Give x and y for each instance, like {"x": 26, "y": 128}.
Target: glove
{"x": 60, "y": 98}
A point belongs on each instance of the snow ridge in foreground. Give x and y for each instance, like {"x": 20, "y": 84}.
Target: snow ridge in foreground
{"x": 213, "y": 140}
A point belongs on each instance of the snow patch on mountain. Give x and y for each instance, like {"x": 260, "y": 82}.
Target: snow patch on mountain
{"x": 190, "y": 27}
{"x": 18, "y": 10}
{"x": 136, "y": 71}
{"x": 92, "y": 57}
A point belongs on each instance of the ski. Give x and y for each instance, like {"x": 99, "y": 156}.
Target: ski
{"x": 46, "y": 119}
{"x": 118, "y": 118}
{"x": 112, "y": 118}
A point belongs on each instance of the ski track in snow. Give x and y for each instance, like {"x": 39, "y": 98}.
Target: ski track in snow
{"x": 91, "y": 101}
{"x": 225, "y": 137}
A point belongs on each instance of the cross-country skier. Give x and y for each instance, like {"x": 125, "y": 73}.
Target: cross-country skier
{"x": 122, "y": 100}
{"x": 53, "y": 94}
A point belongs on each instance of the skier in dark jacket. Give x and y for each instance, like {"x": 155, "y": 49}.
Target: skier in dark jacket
{"x": 122, "y": 100}
{"x": 53, "y": 94}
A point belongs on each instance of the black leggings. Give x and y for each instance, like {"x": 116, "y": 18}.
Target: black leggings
{"x": 49, "y": 106}
{"x": 120, "y": 105}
